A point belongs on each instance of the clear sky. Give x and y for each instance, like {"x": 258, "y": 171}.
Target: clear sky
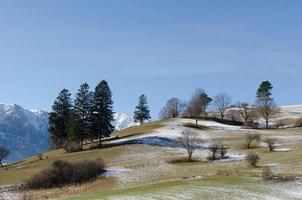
{"x": 162, "y": 48}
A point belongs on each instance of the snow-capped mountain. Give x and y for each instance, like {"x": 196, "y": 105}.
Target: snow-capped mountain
{"x": 122, "y": 121}
{"x": 23, "y": 132}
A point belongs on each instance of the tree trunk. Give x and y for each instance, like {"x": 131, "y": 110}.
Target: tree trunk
{"x": 99, "y": 141}
{"x": 266, "y": 122}
{"x": 196, "y": 121}
{"x": 190, "y": 156}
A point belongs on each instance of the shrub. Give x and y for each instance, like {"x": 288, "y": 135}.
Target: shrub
{"x": 70, "y": 147}
{"x": 64, "y": 173}
{"x": 252, "y": 159}
{"x": 267, "y": 173}
{"x": 213, "y": 148}
{"x": 298, "y": 123}
{"x": 40, "y": 156}
{"x": 223, "y": 151}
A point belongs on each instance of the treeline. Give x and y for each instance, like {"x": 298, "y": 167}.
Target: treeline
{"x": 264, "y": 107}
{"x": 88, "y": 117}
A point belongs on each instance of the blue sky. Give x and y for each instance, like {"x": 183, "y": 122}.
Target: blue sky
{"x": 162, "y": 48}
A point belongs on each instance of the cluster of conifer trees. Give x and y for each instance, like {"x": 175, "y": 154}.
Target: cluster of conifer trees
{"x": 89, "y": 116}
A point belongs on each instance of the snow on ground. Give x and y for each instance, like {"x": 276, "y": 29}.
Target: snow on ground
{"x": 282, "y": 150}
{"x": 232, "y": 158}
{"x": 164, "y": 136}
{"x": 211, "y": 124}
{"x": 114, "y": 171}
{"x": 6, "y": 193}
{"x": 292, "y": 110}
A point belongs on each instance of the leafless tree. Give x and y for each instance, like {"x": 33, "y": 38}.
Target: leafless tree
{"x": 213, "y": 148}
{"x": 247, "y": 112}
{"x": 271, "y": 142}
{"x": 223, "y": 151}
{"x": 198, "y": 104}
{"x": 267, "y": 110}
{"x": 218, "y": 151}
{"x": 250, "y": 137}
{"x": 265, "y": 104}
{"x": 222, "y": 101}
{"x": 173, "y": 108}
{"x": 189, "y": 141}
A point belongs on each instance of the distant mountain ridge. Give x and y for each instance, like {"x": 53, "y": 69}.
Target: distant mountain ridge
{"x": 122, "y": 121}
{"x": 25, "y": 132}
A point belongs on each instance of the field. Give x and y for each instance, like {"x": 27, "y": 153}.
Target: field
{"x": 143, "y": 164}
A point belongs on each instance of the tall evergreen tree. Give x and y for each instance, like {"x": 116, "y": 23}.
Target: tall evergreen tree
{"x": 266, "y": 106}
{"x": 80, "y": 120}
{"x": 59, "y": 118}
{"x": 142, "y": 111}
{"x": 102, "y": 112}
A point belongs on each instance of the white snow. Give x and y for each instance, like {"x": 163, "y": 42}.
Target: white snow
{"x": 271, "y": 165}
{"x": 233, "y": 158}
{"x": 113, "y": 171}
{"x": 282, "y": 150}
{"x": 212, "y": 124}
{"x": 122, "y": 121}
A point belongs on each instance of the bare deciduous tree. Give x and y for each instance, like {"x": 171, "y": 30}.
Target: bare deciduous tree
{"x": 265, "y": 104}
{"x": 250, "y": 137}
{"x": 247, "y": 112}
{"x": 271, "y": 142}
{"x": 217, "y": 150}
{"x": 189, "y": 141}
{"x": 222, "y": 101}
{"x": 213, "y": 148}
{"x": 198, "y": 104}
{"x": 173, "y": 108}
{"x": 3, "y": 154}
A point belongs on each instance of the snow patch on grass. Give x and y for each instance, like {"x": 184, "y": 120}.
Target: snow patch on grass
{"x": 283, "y": 150}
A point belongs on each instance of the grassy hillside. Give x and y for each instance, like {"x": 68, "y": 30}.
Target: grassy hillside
{"x": 139, "y": 169}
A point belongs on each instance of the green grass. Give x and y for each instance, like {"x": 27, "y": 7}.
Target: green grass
{"x": 217, "y": 187}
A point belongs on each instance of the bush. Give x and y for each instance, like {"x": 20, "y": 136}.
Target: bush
{"x": 252, "y": 159}
{"x": 70, "y": 147}
{"x": 64, "y": 173}
{"x": 298, "y": 123}
{"x": 215, "y": 149}
{"x": 267, "y": 173}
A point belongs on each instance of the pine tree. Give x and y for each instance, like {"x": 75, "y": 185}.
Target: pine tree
{"x": 59, "y": 118}
{"x": 266, "y": 106}
{"x": 102, "y": 112}
{"x": 142, "y": 111}
{"x": 80, "y": 120}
